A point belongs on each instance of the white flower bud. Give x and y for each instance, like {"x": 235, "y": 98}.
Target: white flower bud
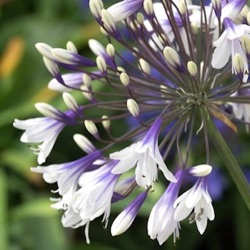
{"x": 91, "y": 127}
{"x": 86, "y": 80}
{"x": 51, "y": 66}
{"x": 134, "y": 25}
{"x": 70, "y": 102}
{"x": 124, "y": 220}
{"x": 108, "y": 20}
{"x": 110, "y": 50}
{"x": 96, "y": 7}
{"x": 71, "y": 47}
{"x": 49, "y": 111}
{"x": 62, "y": 55}
{"x": 144, "y": 66}
{"x": 192, "y": 68}
{"x": 84, "y": 143}
{"x": 245, "y": 10}
{"x": 148, "y": 7}
{"x": 44, "y": 49}
{"x": 105, "y": 122}
{"x": 200, "y": 170}
{"x": 101, "y": 64}
{"x": 86, "y": 92}
{"x": 140, "y": 18}
{"x": 171, "y": 56}
{"x": 182, "y": 7}
{"x": 124, "y": 79}
{"x": 133, "y": 107}
{"x": 103, "y": 31}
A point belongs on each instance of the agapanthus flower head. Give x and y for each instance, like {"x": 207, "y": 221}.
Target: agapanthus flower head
{"x": 163, "y": 76}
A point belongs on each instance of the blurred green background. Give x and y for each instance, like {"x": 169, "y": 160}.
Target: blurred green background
{"x": 26, "y": 219}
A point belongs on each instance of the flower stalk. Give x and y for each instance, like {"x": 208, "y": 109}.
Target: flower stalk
{"x": 227, "y": 155}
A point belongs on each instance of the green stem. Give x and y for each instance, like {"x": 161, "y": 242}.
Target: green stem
{"x": 227, "y": 155}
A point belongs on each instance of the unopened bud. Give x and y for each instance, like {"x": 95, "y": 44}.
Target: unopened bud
{"x": 124, "y": 220}
{"x": 44, "y": 49}
{"x": 148, "y": 7}
{"x": 245, "y": 10}
{"x": 110, "y": 50}
{"x": 124, "y": 79}
{"x": 91, "y": 127}
{"x": 103, "y": 31}
{"x": 192, "y": 68}
{"x": 86, "y": 92}
{"x": 96, "y": 7}
{"x": 108, "y": 21}
{"x": 70, "y": 102}
{"x": 134, "y": 25}
{"x": 101, "y": 64}
{"x": 144, "y": 66}
{"x": 51, "y": 66}
{"x": 105, "y": 122}
{"x": 182, "y": 7}
{"x": 171, "y": 56}
{"x": 49, "y": 111}
{"x": 86, "y": 80}
{"x": 71, "y": 47}
{"x": 133, "y": 107}
{"x": 62, "y": 55}
{"x": 84, "y": 143}
{"x": 140, "y": 18}
{"x": 200, "y": 170}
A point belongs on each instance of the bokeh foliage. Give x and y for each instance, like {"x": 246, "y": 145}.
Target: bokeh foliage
{"x": 26, "y": 219}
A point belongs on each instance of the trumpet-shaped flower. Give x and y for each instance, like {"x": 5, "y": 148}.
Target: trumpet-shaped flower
{"x": 161, "y": 222}
{"x": 146, "y": 156}
{"x": 42, "y": 132}
{"x": 229, "y": 44}
{"x": 93, "y": 198}
{"x": 198, "y": 199}
{"x": 67, "y": 174}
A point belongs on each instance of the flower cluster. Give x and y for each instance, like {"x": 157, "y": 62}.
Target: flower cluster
{"x": 182, "y": 65}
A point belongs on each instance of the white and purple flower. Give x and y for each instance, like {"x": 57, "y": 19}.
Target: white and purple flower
{"x": 146, "y": 156}
{"x": 161, "y": 222}
{"x": 198, "y": 199}
{"x": 41, "y": 133}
